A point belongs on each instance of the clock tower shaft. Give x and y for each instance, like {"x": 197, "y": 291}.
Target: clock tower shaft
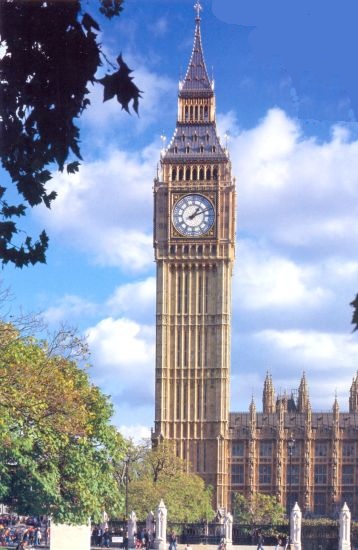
{"x": 194, "y": 240}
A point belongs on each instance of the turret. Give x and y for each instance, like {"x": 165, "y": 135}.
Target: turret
{"x": 268, "y": 396}
{"x": 303, "y": 398}
{"x": 252, "y": 412}
{"x": 353, "y": 396}
{"x": 335, "y": 410}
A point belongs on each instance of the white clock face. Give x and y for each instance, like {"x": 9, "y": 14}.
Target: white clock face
{"x": 193, "y": 215}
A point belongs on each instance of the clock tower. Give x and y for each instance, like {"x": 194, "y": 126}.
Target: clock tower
{"x": 194, "y": 241}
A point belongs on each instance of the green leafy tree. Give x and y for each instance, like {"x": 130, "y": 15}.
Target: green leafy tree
{"x": 159, "y": 474}
{"x": 58, "y": 450}
{"x": 52, "y": 53}
{"x": 260, "y": 509}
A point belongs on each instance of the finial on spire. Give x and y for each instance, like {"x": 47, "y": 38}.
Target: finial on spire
{"x": 198, "y": 7}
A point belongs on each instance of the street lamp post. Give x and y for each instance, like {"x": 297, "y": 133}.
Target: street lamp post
{"x": 291, "y": 445}
{"x": 126, "y": 470}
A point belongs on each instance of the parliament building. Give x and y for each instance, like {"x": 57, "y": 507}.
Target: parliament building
{"x": 286, "y": 450}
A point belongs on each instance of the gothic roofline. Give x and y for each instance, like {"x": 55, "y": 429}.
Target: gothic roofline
{"x": 182, "y": 158}
{"x": 187, "y": 94}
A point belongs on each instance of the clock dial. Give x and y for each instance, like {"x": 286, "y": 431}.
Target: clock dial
{"x": 193, "y": 215}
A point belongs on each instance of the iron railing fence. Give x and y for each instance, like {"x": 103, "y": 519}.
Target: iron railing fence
{"x": 314, "y": 536}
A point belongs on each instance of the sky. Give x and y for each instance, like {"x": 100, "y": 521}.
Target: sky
{"x": 287, "y": 95}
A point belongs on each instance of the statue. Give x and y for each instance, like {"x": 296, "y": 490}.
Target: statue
{"x": 345, "y": 528}
{"x": 295, "y": 527}
{"x": 160, "y": 542}
{"x": 228, "y": 521}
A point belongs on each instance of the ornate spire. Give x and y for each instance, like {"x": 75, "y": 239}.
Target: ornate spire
{"x": 303, "y": 398}
{"x": 196, "y": 79}
{"x": 195, "y": 136}
{"x": 353, "y": 396}
{"x": 336, "y": 407}
{"x": 268, "y": 396}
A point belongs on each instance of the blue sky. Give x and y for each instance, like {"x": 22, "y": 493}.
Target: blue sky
{"x": 287, "y": 94}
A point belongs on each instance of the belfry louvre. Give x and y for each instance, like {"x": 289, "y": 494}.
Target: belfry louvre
{"x": 286, "y": 450}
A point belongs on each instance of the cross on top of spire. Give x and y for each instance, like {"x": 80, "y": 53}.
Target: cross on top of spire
{"x": 198, "y": 7}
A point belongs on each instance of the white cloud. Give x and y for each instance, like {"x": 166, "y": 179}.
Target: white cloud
{"x": 134, "y": 299}
{"x": 106, "y": 210}
{"x": 123, "y": 344}
{"x": 68, "y": 308}
{"x": 266, "y": 280}
{"x": 137, "y": 433}
{"x": 319, "y": 350}
{"x": 296, "y": 190}
{"x": 122, "y": 353}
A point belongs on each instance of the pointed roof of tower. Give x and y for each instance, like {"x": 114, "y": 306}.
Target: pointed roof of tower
{"x": 196, "y": 78}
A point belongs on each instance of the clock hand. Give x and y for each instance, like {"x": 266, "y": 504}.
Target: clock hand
{"x": 195, "y": 213}
{"x": 198, "y": 212}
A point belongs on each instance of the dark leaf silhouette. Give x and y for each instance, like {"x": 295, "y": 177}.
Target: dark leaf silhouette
{"x": 120, "y": 84}
{"x": 354, "y": 304}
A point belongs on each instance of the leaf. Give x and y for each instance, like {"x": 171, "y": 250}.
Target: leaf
{"x": 73, "y": 167}
{"x": 88, "y": 22}
{"x": 120, "y": 84}
{"x": 354, "y": 304}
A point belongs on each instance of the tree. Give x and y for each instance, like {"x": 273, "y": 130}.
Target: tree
{"x": 260, "y": 510}
{"x": 354, "y": 304}
{"x": 58, "y": 450}
{"x": 52, "y": 54}
{"x": 159, "y": 474}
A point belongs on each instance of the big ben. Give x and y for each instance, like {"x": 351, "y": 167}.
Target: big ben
{"x": 194, "y": 243}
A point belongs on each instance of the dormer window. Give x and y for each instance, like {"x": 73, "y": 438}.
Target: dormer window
{"x": 201, "y": 149}
{"x": 175, "y": 149}
{"x": 195, "y": 137}
{"x": 213, "y": 149}
{"x": 207, "y": 137}
{"x": 187, "y": 149}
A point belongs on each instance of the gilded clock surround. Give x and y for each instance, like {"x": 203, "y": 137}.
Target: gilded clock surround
{"x": 211, "y": 197}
